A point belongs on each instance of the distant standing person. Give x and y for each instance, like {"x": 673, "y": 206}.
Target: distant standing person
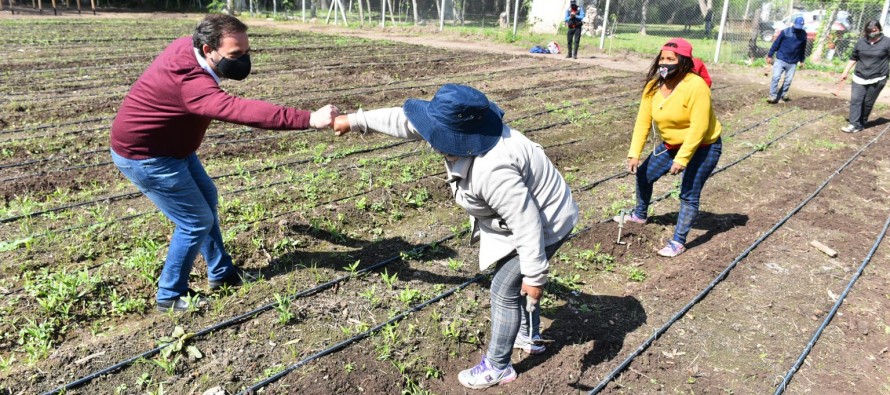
{"x": 160, "y": 126}
{"x": 790, "y": 50}
{"x": 708, "y": 22}
{"x": 678, "y": 103}
{"x": 574, "y": 21}
{"x": 871, "y": 57}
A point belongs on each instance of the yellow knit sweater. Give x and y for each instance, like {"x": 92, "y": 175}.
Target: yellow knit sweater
{"x": 685, "y": 118}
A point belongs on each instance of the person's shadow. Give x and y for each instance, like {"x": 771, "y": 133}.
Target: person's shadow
{"x": 367, "y": 252}
{"x": 713, "y": 224}
{"x": 606, "y": 320}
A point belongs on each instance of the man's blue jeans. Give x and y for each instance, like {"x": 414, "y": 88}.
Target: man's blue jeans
{"x": 780, "y": 66}
{"x": 184, "y": 192}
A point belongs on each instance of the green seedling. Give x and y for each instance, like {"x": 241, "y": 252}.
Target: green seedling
{"x": 282, "y": 306}
{"x": 352, "y": 268}
{"x": 388, "y": 279}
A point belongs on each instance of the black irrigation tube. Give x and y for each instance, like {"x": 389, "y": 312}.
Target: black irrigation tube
{"x": 262, "y": 169}
{"x": 241, "y": 318}
{"x": 41, "y": 127}
{"x": 343, "y": 344}
{"x": 79, "y": 84}
{"x": 130, "y": 217}
{"x": 624, "y": 173}
{"x": 720, "y": 277}
{"x": 837, "y": 305}
{"x": 340, "y": 94}
{"x": 252, "y": 314}
{"x": 132, "y": 195}
{"x": 123, "y": 75}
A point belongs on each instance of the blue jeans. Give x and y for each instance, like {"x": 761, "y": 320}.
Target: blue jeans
{"x": 508, "y": 314}
{"x": 184, "y": 192}
{"x": 697, "y": 172}
{"x": 780, "y": 66}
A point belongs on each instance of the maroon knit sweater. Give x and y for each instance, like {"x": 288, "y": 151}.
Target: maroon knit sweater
{"x": 169, "y": 108}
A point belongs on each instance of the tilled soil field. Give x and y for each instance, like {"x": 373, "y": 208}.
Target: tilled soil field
{"x": 369, "y": 283}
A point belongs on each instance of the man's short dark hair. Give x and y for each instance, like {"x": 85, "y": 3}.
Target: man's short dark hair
{"x": 214, "y": 27}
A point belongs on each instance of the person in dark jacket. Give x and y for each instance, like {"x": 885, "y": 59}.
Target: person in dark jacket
{"x": 871, "y": 57}
{"x": 574, "y": 21}
{"x": 790, "y": 50}
{"x": 161, "y": 124}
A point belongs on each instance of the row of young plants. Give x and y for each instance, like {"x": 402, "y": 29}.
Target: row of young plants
{"x": 23, "y": 206}
{"x": 329, "y": 223}
{"x": 633, "y": 274}
{"x": 403, "y": 364}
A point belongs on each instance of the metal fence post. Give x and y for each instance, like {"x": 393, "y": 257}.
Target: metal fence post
{"x": 516, "y": 16}
{"x": 442, "y": 16}
{"x": 605, "y": 26}
{"x": 884, "y": 12}
{"x": 722, "y": 29}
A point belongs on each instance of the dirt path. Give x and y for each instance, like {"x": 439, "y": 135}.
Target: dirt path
{"x": 806, "y": 82}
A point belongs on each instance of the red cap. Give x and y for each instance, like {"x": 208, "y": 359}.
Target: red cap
{"x": 683, "y": 47}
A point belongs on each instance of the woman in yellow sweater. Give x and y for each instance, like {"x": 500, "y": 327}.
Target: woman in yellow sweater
{"x": 677, "y": 103}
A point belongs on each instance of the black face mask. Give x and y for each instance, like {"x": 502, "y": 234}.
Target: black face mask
{"x": 874, "y": 35}
{"x": 234, "y": 69}
{"x": 664, "y": 70}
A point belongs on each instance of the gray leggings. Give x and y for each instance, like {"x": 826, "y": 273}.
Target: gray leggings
{"x": 508, "y": 315}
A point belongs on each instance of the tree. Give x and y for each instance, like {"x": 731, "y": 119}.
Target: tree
{"x": 413, "y": 8}
{"x": 643, "y": 18}
{"x": 705, "y": 5}
{"x": 822, "y": 35}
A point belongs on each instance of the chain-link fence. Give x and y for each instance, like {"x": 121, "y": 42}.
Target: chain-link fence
{"x": 750, "y": 26}
{"x": 749, "y": 30}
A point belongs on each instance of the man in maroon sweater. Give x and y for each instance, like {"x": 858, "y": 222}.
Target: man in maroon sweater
{"x": 161, "y": 124}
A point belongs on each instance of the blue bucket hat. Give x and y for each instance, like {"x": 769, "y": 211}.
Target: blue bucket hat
{"x": 798, "y": 22}
{"x": 459, "y": 120}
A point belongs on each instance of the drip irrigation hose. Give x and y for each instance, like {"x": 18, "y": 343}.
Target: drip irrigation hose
{"x": 41, "y": 127}
{"x": 720, "y": 277}
{"x": 242, "y": 317}
{"x": 834, "y": 309}
{"x": 249, "y": 315}
{"x": 343, "y": 344}
{"x": 266, "y": 168}
{"x": 483, "y": 76}
{"x": 624, "y": 173}
{"x": 132, "y": 195}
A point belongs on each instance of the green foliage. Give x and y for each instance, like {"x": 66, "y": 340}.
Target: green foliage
{"x": 282, "y": 306}
{"x": 636, "y": 274}
{"x": 389, "y": 279}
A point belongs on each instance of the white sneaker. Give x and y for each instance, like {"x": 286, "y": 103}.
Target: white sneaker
{"x": 528, "y": 345}
{"x": 850, "y": 129}
{"x": 484, "y": 375}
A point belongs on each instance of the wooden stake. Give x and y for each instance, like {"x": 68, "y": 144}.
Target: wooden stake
{"x": 822, "y": 247}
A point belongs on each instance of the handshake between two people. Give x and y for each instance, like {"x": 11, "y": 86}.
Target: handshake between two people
{"x": 329, "y": 117}
{"x": 324, "y": 117}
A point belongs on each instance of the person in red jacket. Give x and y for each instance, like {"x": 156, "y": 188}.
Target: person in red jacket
{"x": 158, "y": 130}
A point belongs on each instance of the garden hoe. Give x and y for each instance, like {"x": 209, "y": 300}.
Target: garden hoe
{"x": 838, "y": 90}
{"x": 621, "y": 227}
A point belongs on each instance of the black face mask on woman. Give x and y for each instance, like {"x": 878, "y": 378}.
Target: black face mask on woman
{"x": 664, "y": 70}
{"x": 235, "y": 69}
{"x": 874, "y": 35}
